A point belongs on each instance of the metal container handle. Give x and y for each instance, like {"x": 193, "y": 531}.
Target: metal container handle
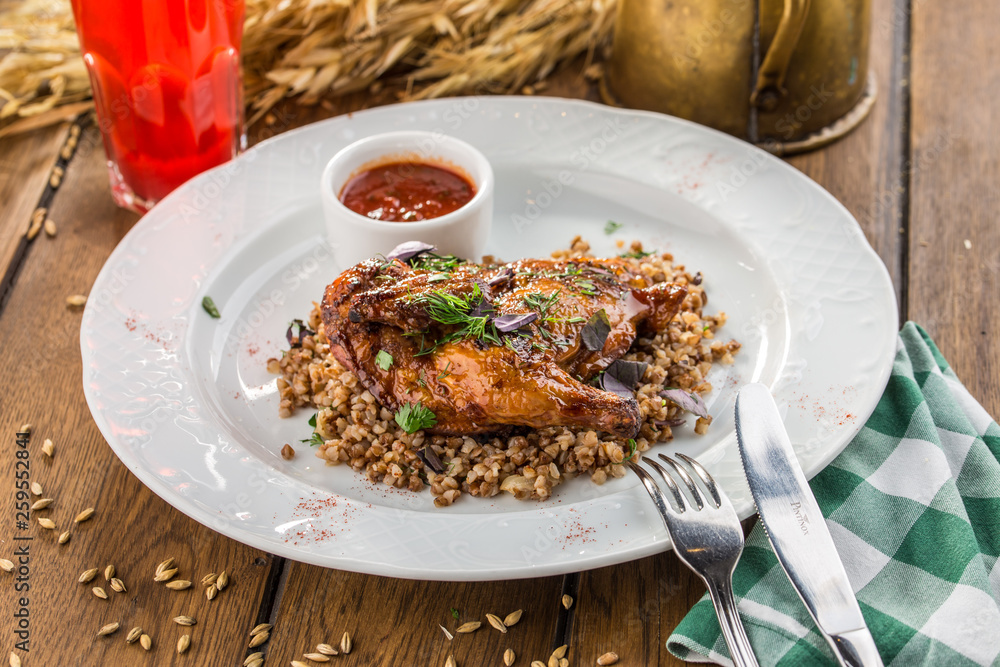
{"x": 771, "y": 76}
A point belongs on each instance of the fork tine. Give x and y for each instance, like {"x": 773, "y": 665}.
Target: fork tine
{"x": 710, "y": 484}
{"x": 695, "y": 493}
{"x": 653, "y": 490}
{"x": 669, "y": 481}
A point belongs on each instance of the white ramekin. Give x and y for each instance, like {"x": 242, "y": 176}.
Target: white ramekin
{"x": 355, "y": 237}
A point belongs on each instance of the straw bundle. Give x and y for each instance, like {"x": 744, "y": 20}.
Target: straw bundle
{"x": 313, "y": 49}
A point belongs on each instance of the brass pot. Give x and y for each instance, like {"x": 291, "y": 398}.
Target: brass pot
{"x": 788, "y": 75}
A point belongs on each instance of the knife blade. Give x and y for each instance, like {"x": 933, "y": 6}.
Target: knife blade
{"x": 796, "y": 528}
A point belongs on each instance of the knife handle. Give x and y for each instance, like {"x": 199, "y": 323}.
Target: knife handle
{"x": 856, "y": 648}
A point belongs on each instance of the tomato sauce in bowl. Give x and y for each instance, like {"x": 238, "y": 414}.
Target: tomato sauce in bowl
{"x": 407, "y": 191}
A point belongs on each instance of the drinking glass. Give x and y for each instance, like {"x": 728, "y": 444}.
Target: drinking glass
{"x": 167, "y": 87}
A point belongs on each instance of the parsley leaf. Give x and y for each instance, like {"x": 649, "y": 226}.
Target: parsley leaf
{"x": 315, "y": 441}
{"x": 637, "y": 254}
{"x": 611, "y": 227}
{"x": 312, "y": 420}
{"x": 454, "y": 612}
{"x": 383, "y": 360}
{"x": 210, "y": 308}
{"x": 414, "y": 417}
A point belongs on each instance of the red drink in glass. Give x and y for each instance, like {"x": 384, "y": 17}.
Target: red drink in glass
{"x": 166, "y": 81}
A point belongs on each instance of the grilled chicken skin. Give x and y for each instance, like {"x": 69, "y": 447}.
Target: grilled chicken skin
{"x": 449, "y": 356}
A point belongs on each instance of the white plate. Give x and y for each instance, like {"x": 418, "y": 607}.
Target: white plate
{"x": 186, "y": 403}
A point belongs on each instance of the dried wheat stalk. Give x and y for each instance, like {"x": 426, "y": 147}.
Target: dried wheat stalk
{"x": 313, "y": 49}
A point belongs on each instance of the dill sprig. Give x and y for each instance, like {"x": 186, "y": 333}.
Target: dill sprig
{"x": 456, "y": 310}
{"x": 430, "y": 261}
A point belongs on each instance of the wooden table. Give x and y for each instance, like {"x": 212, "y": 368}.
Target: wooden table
{"x": 920, "y": 175}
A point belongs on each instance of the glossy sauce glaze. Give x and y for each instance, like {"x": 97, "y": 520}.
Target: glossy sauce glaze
{"x": 406, "y": 192}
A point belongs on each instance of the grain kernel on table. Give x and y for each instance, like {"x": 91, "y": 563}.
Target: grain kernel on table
{"x": 567, "y": 601}
{"x": 609, "y": 658}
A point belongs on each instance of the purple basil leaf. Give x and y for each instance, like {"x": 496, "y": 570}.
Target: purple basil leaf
{"x": 485, "y": 290}
{"x": 482, "y": 308}
{"x": 297, "y": 330}
{"x": 431, "y": 459}
{"x": 409, "y": 250}
{"x": 679, "y": 421}
{"x": 596, "y": 331}
{"x": 629, "y": 373}
{"x": 611, "y": 383}
{"x": 508, "y": 323}
{"x": 688, "y": 400}
{"x": 501, "y": 277}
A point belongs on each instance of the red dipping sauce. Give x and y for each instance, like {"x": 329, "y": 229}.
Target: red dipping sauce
{"x": 407, "y": 192}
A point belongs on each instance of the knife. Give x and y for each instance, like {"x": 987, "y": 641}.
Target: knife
{"x": 797, "y": 530}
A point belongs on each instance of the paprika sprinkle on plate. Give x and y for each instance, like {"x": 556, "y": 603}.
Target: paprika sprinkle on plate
{"x": 407, "y": 191}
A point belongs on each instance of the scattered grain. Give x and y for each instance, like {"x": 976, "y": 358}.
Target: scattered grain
{"x": 184, "y": 643}
{"x": 109, "y": 573}
{"x": 253, "y": 656}
{"x": 567, "y": 601}
{"x": 108, "y": 629}
{"x": 450, "y": 661}
{"x": 345, "y": 643}
{"x": 6, "y": 565}
{"x": 76, "y": 300}
{"x": 36, "y": 488}
{"x": 84, "y": 515}
{"x": 259, "y": 638}
{"x": 326, "y": 649}
{"x": 133, "y": 635}
{"x": 563, "y": 662}
{"x": 118, "y": 586}
{"x": 50, "y": 227}
{"x": 222, "y": 581}
{"x": 211, "y": 592}
{"x": 14, "y": 660}
{"x": 608, "y": 658}
{"x": 509, "y": 657}
{"x": 209, "y": 579}
{"x": 165, "y": 565}
{"x": 41, "y": 504}
{"x": 166, "y": 575}
{"x": 537, "y": 663}
{"x": 88, "y": 576}
{"x": 25, "y": 428}
{"x": 263, "y": 627}
{"x": 99, "y": 592}
{"x": 299, "y": 663}
{"x": 466, "y": 628}
{"x": 552, "y": 661}
{"x": 146, "y": 642}
{"x": 259, "y": 662}
{"x": 496, "y": 622}
{"x": 316, "y": 657}
{"x": 287, "y": 452}
{"x": 184, "y": 620}
{"x": 48, "y": 448}
{"x": 560, "y": 652}
{"x": 513, "y": 617}
{"x": 47, "y": 524}
{"x": 64, "y": 537}
{"x": 33, "y": 229}
{"x": 178, "y": 584}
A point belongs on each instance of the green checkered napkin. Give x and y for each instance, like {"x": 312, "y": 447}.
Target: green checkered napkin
{"x": 913, "y": 504}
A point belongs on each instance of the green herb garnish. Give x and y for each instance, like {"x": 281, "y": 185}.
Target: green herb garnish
{"x": 414, "y": 417}
{"x": 454, "y": 612}
{"x": 631, "y": 449}
{"x": 637, "y": 254}
{"x": 383, "y": 360}
{"x": 312, "y": 420}
{"x": 445, "y": 372}
{"x": 315, "y": 440}
{"x": 610, "y": 227}
{"x": 430, "y": 261}
{"x": 210, "y": 308}
{"x": 457, "y": 310}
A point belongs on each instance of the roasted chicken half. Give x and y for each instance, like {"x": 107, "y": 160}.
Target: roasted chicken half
{"x": 487, "y": 347}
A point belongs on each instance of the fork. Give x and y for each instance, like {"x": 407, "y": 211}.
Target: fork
{"x": 707, "y": 538}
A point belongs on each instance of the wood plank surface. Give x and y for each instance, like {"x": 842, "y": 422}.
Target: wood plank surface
{"x": 954, "y": 173}
{"x": 26, "y": 161}
{"x": 132, "y": 528}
